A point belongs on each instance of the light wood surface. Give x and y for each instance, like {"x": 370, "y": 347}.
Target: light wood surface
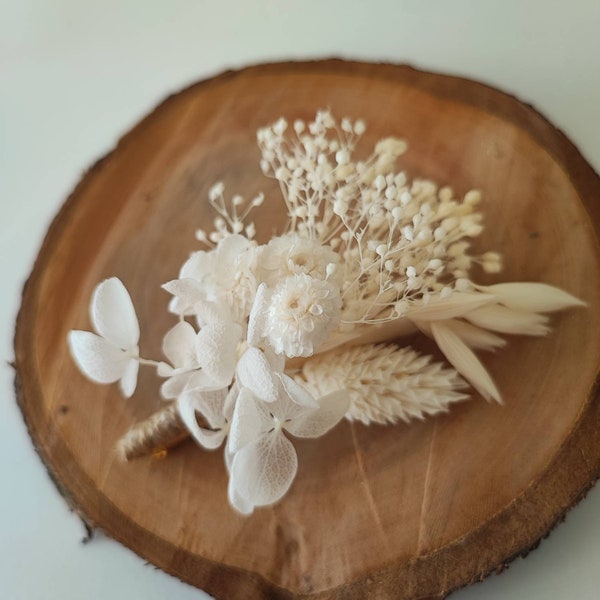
{"x": 381, "y": 512}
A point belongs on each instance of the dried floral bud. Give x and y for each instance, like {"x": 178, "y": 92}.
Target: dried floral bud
{"x": 216, "y": 191}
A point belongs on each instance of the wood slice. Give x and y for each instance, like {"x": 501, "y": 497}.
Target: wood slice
{"x": 380, "y": 512}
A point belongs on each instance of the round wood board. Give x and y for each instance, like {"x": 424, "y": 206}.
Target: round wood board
{"x": 409, "y": 511}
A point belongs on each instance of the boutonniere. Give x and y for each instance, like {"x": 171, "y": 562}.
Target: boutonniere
{"x": 283, "y": 339}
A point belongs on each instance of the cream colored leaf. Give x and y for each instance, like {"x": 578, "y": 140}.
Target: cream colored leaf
{"x": 532, "y": 297}
{"x": 472, "y": 336}
{"x": 462, "y": 358}
{"x": 455, "y": 305}
{"x": 505, "y": 320}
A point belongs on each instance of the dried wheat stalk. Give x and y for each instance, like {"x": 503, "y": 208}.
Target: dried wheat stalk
{"x": 386, "y": 383}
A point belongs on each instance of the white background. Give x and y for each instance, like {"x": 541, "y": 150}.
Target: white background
{"x": 75, "y": 75}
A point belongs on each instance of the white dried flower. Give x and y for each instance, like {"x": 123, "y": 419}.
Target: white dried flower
{"x": 299, "y": 314}
{"x": 111, "y": 354}
{"x": 264, "y": 461}
{"x": 223, "y": 275}
{"x": 292, "y": 254}
{"x": 200, "y": 361}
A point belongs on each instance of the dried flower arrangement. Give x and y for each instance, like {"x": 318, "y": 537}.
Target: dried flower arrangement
{"x": 291, "y": 336}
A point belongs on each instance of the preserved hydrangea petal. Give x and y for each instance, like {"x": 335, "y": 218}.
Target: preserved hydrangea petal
{"x": 255, "y": 373}
{"x": 211, "y": 405}
{"x": 113, "y": 354}
{"x": 318, "y": 422}
{"x": 179, "y": 345}
{"x": 263, "y": 471}
{"x": 113, "y": 315}
{"x": 216, "y": 346}
{"x": 128, "y": 381}
{"x": 97, "y": 358}
{"x": 250, "y": 420}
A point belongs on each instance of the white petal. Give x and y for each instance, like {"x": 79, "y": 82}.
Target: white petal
{"x": 505, "y": 320}
{"x": 455, "y": 305}
{"x": 198, "y": 265}
{"x": 113, "y": 315}
{"x": 277, "y": 361}
{"x": 286, "y": 409}
{"x": 211, "y": 405}
{"x": 297, "y": 393}
{"x": 200, "y": 381}
{"x": 237, "y": 502}
{"x": 176, "y": 307}
{"x": 174, "y": 386}
{"x": 128, "y": 381}
{"x": 230, "y": 400}
{"x": 216, "y": 350}
{"x": 464, "y": 360}
{"x": 315, "y": 423}
{"x": 179, "y": 345}
{"x": 231, "y": 247}
{"x": 187, "y": 292}
{"x": 254, "y": 372}
{"x": 187, "y": 405}
{"x": 165, "y": 370}
{"x": 211, "y": 313}
{"x": 96, "y": 358}
{"x": 533, "y": 297}
{"x": 263, "y": 471}
{"x": 250, "y": 420}
{"x": 228, "y": 458}
{"x": 258, "y": 315}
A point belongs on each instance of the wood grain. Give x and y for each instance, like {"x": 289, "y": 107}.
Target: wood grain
{"x": 380, "y": 512}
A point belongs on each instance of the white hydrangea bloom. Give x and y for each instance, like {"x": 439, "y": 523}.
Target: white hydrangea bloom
{"x": 264, "y": 461}
{"x": 110, "y": 354}
{"x": 223, "y": 275}
{"x": 201, "y": 361}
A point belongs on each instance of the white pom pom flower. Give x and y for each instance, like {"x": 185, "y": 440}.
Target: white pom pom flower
{"x": 297, "y": 316}
{"x": 292, "y": 254}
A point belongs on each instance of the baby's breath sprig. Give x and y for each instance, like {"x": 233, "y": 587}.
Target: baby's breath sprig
{"x": 233, "y": 216}
{"x": 399, "y": 241}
